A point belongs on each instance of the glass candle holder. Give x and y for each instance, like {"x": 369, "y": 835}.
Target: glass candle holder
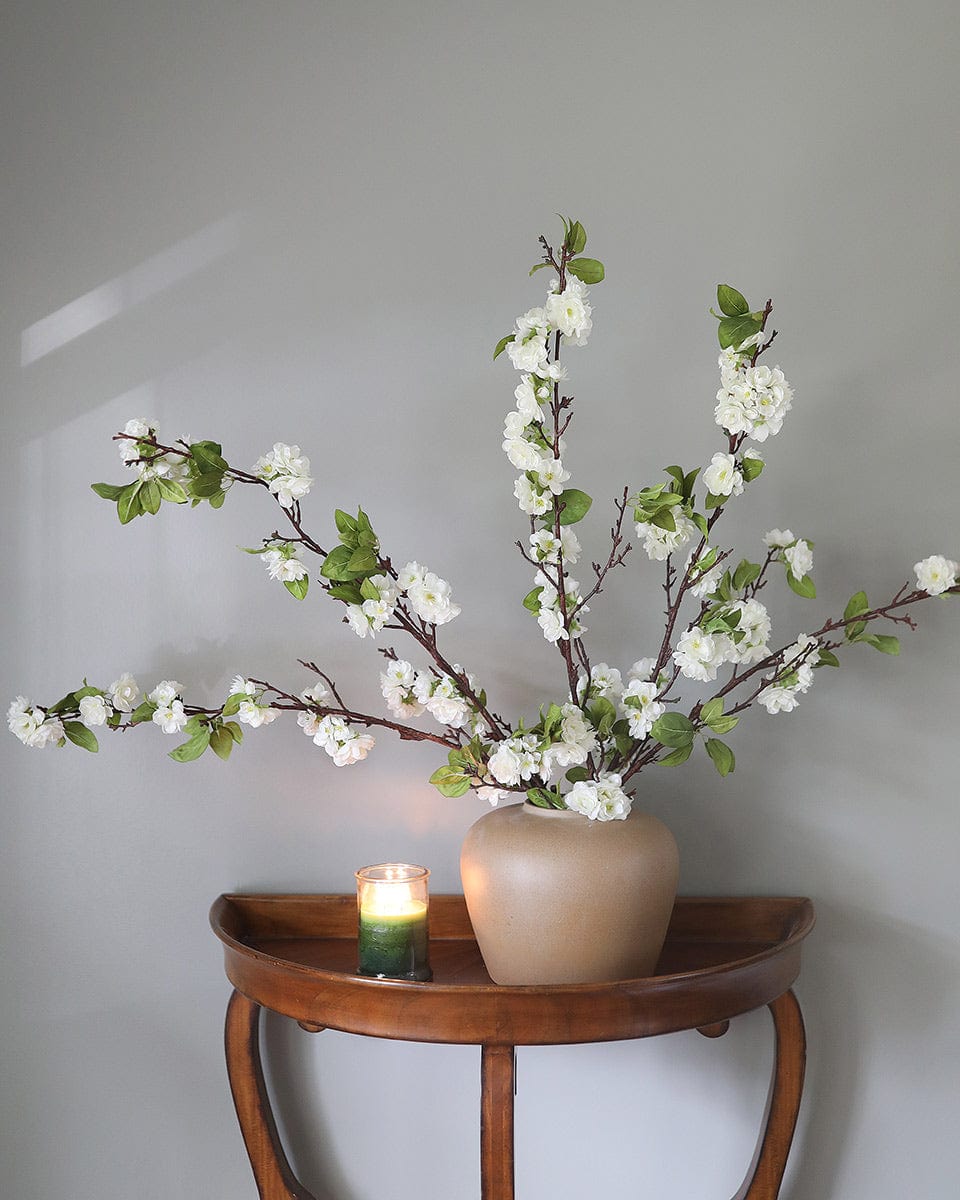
{"x": 393, "y": 931}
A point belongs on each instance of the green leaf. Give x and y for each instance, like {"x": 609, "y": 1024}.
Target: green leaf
{"x": 678, "y": 756}
{"x": 207, "y": 485}
{"x": 335, "y": 564}
{"x": 624, "y": 743}
{"x": 688, "y": 481}
{"x": 603, "y": 714}
{"x": 128, "y": 502}
{"x": 533, "y": 270}
{"x": 587, "y": 270}
{"x": 733, "y": 331}
{"x": 298, "y": 587}
{"x": 81, "y": 736}
{"x": 362, "y": 562}
{"x": 713, "y": 501}
{"x": 221, "y": 742}
{"x": 723, "y": 724}
{"x": 233, "y": 703}
{"x": 531, "y": 600}
{"x": 827, "y": 659}
{"x": 673, "y": 729}
{"x": 576, "y": 505}
{"x": 721, "y": 755}
{"x": 676, "y": 473}
{"x": 234, "y": 730}
{"x": 369, "y": 591}
{"x": 552, "y": 719}
{"x": 70, "y": 700}
{"x": 346, "y": 527}
{"x": 883, "y": 642}
{"x": 109, "y": 491}
{"x": 143, "y": 712}
{"x": 576, "y": 239}
{"x": 852, "y": 632}
{"x": 505, "y": 341}
{"x": 348, "y": 592}
{"x": 745, "y": 574}
{"x": 663, "y": 518}
{"x": 803, "y": 587}
{"x": 207, "y": 455}
{"x": 730, "y": 302}
{"x": 712, "y": 709}
{"x": 217, "y": 499}
{"x": 450, "y": 782}
{"x": 857, "y": 604}
{"x": 188, "y": 751}
{"x": 545, "y": 798}
{"x": 150, "y": 497}
{"x": 578, "y": 774}
{"x": 750, "y": 468}
{"x": 174, "y": 492}
{"x": 701, "y": 523}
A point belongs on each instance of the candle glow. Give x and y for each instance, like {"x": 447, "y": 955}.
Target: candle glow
{"x": 393, "y": 930}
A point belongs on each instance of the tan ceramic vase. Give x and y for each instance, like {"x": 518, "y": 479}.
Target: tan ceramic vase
{"x": 556, "y": 898}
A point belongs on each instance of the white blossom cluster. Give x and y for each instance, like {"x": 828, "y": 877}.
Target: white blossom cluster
{"x": 283, "y": 562}
{"x": 371, "y": 615}
{"x": 520, "y": 758}
{"x": 797, "y": 553}
{"x": 659, "y": 543}
{"x": 636, "y": 701}
{"x": 332, "y": 733}
{"x": 936, "y": 574}
{"x": 174, "y": 467}
{"x": 251, "y": 711}
{"x": 602, "y": 799}
{"x": 723, "y": 477}
{"x": 429, "y": 597}
{"x": 169, "y": 713}
{"x": 428, "y": 594}
{"x": 550, "y": 617}
{"x": 751, "y": 400}
{"x": 524, "y": 442}
{"x": 782, "y": 696}
{"x": 700, "y": 654}
{"x": 409, "y": 693}
{"x": 545, "y": 547}
{"x": 286, "y": 472}
{"x": 32, "y": 725}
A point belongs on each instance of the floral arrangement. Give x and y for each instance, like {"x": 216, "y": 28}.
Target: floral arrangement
{"x": 586, "y": 745}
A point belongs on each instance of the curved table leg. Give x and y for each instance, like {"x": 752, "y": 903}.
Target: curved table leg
{"x": 765, "y": 1175}
{"x": 275, "y": 1179}
{"x": 497, "y": 1064}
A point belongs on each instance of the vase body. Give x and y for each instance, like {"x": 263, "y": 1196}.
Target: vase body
{"x": 554, "y": 897}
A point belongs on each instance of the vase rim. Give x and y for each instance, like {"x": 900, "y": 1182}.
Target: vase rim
{"x": 536, "y": 810}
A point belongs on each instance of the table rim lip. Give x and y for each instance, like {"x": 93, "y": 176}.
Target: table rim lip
{"x": 806, "y": 919}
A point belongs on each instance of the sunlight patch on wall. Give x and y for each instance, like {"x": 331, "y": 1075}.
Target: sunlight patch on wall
{"x": 141, "y": 283}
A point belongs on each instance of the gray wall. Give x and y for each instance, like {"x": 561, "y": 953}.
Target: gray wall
{"x": 311, "y": 222}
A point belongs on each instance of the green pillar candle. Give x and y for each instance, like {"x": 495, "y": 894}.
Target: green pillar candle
{"x": 394, "y": 945}
{"x": 393, "y": 937}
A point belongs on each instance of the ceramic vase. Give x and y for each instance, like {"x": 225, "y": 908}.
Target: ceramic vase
{"x": 557, "y": 898}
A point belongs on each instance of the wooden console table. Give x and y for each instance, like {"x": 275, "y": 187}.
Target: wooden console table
{"x": 296, "y": 955}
